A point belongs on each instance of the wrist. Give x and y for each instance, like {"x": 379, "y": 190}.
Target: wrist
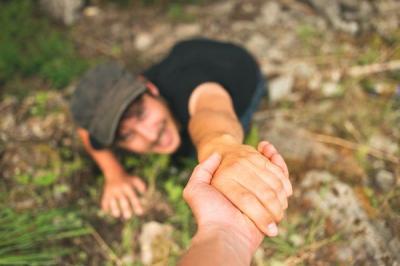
{"x": 220, "y": 144}
{"x": 114, "y": 175}
{"x": 226, "y": 238}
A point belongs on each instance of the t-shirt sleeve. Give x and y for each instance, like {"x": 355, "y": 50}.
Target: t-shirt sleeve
{"x": 183, "y": 82}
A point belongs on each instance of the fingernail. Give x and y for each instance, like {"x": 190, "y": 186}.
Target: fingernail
{"x": 272, "y": 230}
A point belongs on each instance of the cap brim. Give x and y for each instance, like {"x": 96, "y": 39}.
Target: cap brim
{"x": 111, "y": 108}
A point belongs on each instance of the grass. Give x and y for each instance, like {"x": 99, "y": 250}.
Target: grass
{"x": 31, "y": 46}
{"x": 35, "y": 238}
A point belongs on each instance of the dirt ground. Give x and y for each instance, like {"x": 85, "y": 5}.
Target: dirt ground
{"x": 333, "y": 112}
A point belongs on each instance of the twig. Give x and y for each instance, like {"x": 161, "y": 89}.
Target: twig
{"x": 306, "y": 253}
{"x": 354, "y": 146}
{"x": 358, "y": 71}
{"x": 109, "y": 253}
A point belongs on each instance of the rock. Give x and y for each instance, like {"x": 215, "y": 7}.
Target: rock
{"x": 330, "y": 89}
{"x": 280, "y": 88}
{"x": 370, "y": 240}
{"x": 65, "y": 11}
{"x": 302, "y": 70}
{"x": 143, "y": 41}
{"x": 276, "y": 55}
{"x": 300, "y": 150}
{"x": 91, "y": 11}
{"x": 384, "y": 144}
{"x": 257, "y": 43}
{"x": 270, "y": 13}
{"x": 156, "y": 243}
{"x": 187, "y": 30}
{"x": 385, "y": 180}
{"x": 223, "y": 8}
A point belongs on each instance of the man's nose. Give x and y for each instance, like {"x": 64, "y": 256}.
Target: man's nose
{"x": 148, "y": 131}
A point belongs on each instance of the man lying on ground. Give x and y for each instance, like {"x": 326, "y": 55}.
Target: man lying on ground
{"x": 198, "y": 100}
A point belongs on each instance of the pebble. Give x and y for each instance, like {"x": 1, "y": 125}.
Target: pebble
{"x": 281, "y": 87}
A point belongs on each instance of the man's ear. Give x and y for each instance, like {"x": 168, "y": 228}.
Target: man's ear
{"x": 152, "y": 88}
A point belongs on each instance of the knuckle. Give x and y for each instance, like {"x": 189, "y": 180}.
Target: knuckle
{"x": 246, "y": 198}
{"x": 267, "y": 195}
{"x": 278, "y": 211}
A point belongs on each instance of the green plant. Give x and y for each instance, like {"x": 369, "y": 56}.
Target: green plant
{"x": 33, "y": 238}
{"x": 253, "y": 137}
{"x": 297, "y": 236}
{"x": 30, "y": 46}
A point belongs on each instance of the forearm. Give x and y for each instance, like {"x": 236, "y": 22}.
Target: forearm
{"x": 105, "y": 159}
{"x": 216, "y": 247}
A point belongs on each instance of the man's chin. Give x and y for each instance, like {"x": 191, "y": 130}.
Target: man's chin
{"x": 169, "y": 149}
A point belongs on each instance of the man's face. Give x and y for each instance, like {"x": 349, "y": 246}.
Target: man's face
{"x": 151, "y": 129}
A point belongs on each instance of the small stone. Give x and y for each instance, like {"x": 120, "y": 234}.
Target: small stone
{"x": 91, "y": 11}
{"x": 383, "y": 143}
{"x": 65, "y": 11}
{"x": 330, "y": 89}
{"x": 143, "y": 41}
{"x": 257, "y": 44}
{"x": 281, "y": 87}
{"x": 270, "y": 13}
{"x": 385, "y": 180}
{"x": 187, "y": 30}
{"x": 155, "y": 243}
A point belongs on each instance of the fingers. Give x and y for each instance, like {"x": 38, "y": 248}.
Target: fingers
{"x": 283, "y": 178}
{"x": 134, "y": 201}
{"x": 278, "y": 164}
{"x": 121, "y": 200}
{"x": 268, "y": 190}
{"x": 202, "y": 174}
{"x": 250, "y": 205}
{"x": 125, "y": 208}
{"x": 114, "y": 208}
{"x": 269, "y": 151}
{"x": 205, "y": 170}
{"x": 138, "y": 184}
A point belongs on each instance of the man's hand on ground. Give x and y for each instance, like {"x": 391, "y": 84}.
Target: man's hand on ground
{"x": 120, "y": 198}
{"x": 255, "y": 184}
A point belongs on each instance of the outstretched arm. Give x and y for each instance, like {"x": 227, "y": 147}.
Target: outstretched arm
{"x": 251, "y": 182}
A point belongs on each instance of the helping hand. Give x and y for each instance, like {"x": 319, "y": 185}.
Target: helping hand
{"x": 119, "y": 196}
{"x": 213, "y": 212}
{"x": 255, "y": 184}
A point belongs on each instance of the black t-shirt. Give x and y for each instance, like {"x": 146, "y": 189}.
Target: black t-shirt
{"x": 193, "y": 62}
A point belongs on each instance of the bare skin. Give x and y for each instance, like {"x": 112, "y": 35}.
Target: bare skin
{"x": 251, "y": 182}
{"x": 225, "y": 236}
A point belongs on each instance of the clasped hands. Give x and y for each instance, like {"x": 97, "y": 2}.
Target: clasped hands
{"x": 256, "y": 182}
{"x": 243, "y": 193}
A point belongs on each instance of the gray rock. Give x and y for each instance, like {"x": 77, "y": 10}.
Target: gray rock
{"x": 383, "y": 143}
{"x": 257, "y": 43}
{"x": 385, "y": 180}
{"x": 143, "y": 41}
{"x": 65, "y": 11}
{"x": 187, "y": 30}
{"x": 281, "y": 87}
{"x": 270, "y": 13}
{"x": 155, "y": 243}
{"x": 368, "y": 241}
{"x": 330, "y": 89}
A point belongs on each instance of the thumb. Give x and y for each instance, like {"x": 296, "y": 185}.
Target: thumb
{"x": 204, "y": 171}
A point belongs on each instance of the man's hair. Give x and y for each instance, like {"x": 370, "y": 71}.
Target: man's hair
{"x": 134, "y": 110}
